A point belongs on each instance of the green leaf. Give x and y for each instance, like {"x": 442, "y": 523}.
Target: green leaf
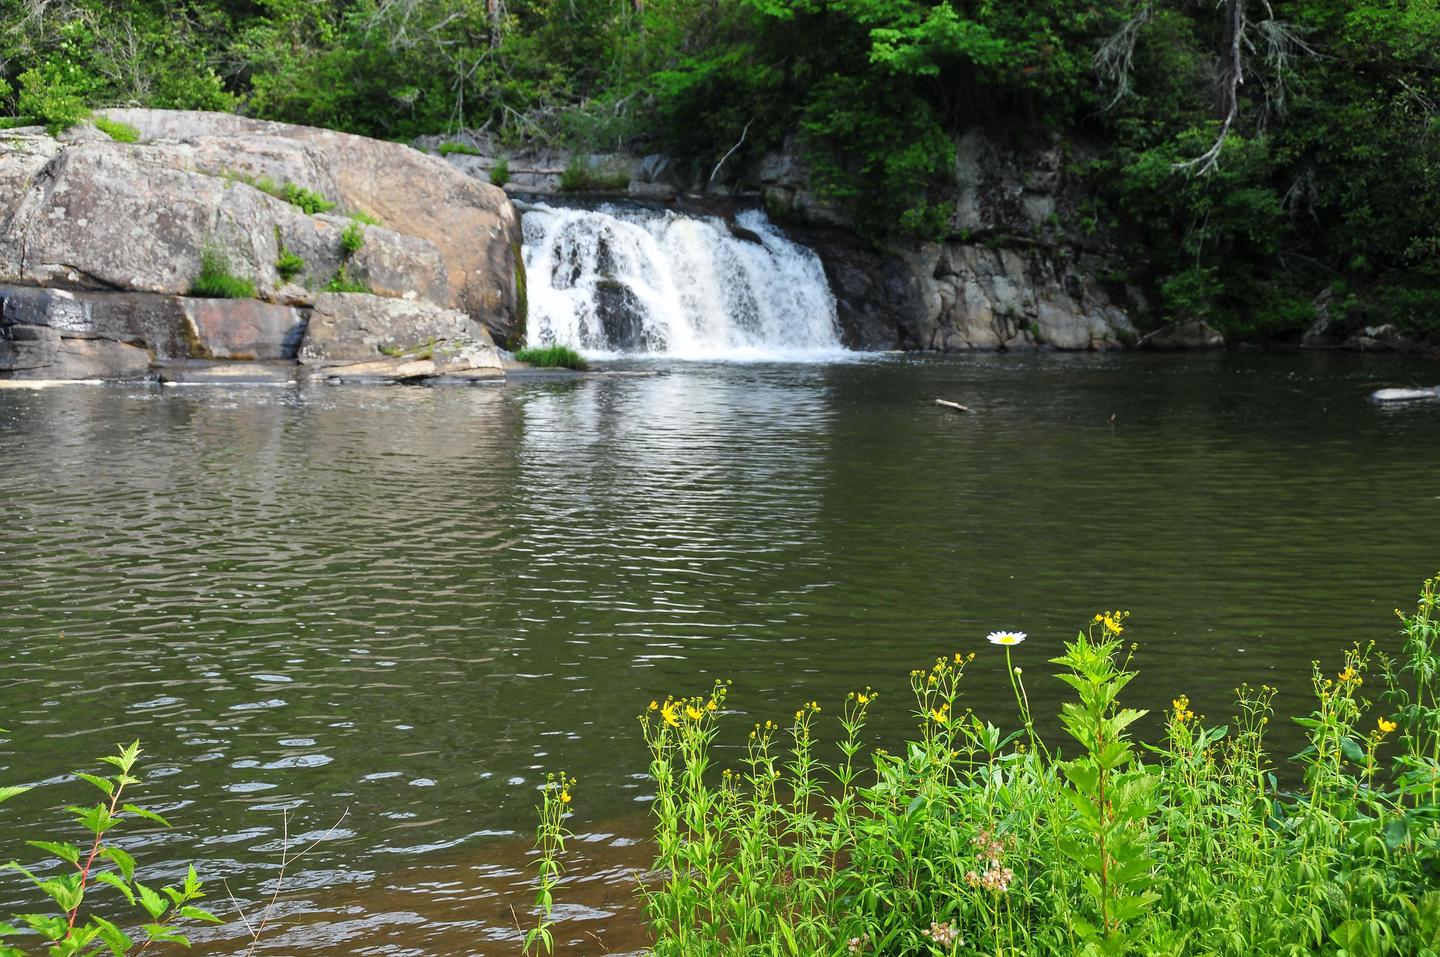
{"x": 104, "y": 784}
{"x": 116, "y": 939}
{"x": 153, "y": 903}
{"x": 147, "y": 815}
{"x": 166, "y": 934}
{"x": 198, "y": 913}
{"x": 66, "y": 852}
{"x": 6, "y": 793}
{"x": 122, "y": 860}
{"x": 113, "y": 879}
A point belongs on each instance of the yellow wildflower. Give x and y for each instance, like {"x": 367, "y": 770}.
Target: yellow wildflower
{"x": 671, "y": 713}
{"x": 940, "y": 715}
{"x": 654, "y": 705}
{"x": 564, "y": 797}
{"x": 1385, "y": 726}
{"x": 693, "y": 713}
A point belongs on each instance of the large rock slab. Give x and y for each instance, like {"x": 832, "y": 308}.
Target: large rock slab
{"x": 471, "y": 223}
{"x": 349, "y": 328}
{"x": 242, "y": 329}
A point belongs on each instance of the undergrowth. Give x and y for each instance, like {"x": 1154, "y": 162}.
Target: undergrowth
{"x": 972, "y": 839}
{"x": 552, "y": 357}
{"x": 216, "y": 281}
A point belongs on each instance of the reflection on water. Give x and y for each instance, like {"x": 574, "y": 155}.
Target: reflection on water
{"x": 371, "y": 619}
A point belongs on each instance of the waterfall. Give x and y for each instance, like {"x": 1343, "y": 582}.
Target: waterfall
{"x": 635, "y": 280}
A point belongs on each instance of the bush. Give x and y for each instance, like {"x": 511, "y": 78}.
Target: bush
{"x": 289, "y": 265}
{"x": 580, "y": 176}
{"x": 976, "y": 840}
{"x": 51, "y": 98}
{"x": 500, "y": 172}
{"x": 117, "y": 131}
{"x": 341, "y": 282}
{"x": 552, "y": 357}
{"x": 307, "y": 200}
{"x": 464, "y": 148}
{"x": 216, "y": 281}
{"x": 353, "y": 237}
{"x": 83, "y": 870}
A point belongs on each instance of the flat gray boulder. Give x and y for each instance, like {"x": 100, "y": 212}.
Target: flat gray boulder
{"x": 348, "y": 329}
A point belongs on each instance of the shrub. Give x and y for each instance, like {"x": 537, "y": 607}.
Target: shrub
{"x": 341, "y": 282}
{"x": 580, "y": 176}
{"x": 307, "y": 200}
{"x": 117, "y": 131}
{"x": 552, "y": 357}
{"x": 972, "y": 839}
{"x": 289, "y": 265}
{"x": 464, "y": 148}
{"x": 51, "y": 98}
{"x": 216, "y": 281}
{"x": 84, "y": 868}
{"x": 500, "y": 172}
{"x": 353, "y": 237}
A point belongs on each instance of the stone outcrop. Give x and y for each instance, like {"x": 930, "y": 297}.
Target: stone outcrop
{"x": 1188, "y": 335}
{"x": 470, "y": 223}
{"x": 347, "y": 328}
{"x": 1016, "y": 272}
{"x": 101, "y": 244}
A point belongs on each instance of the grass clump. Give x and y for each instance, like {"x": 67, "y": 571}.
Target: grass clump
{"x": 463, "y": 148}
{"x": 552, "y": 357}
{"x": 342, "y": 282}
{"x": 425, "y": 350}
{"x": 288, "y": 264}
{"x": 974, "y": 839}
{"x": 366, "y": 218}
{"x": 216, "y": 281}
{"x": 117, "y": 131}
{"x": 353, "y": 237}
{"x": 580, "y": 176}
{"x": 306, "y": 200}
{"x": 500, "y": 172}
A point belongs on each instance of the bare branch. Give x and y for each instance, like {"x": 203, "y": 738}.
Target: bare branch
{"x": 1114, "y": 61}
{"x": 731, "y": 152}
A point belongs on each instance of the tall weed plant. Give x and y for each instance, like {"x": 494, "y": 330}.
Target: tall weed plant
{"x": 977, "y": 840}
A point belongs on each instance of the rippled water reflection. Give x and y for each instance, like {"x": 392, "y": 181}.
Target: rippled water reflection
{"x": 384, "y": 613}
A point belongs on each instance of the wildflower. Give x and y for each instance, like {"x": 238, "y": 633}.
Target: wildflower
{"x": 940, "y": 715}
{"x": 693, "y": 713}
{"x": 654, "y": 705}
{"x": 711, "y": 705}
{"x": 862, "y": 699}
{"x": 857, "y": 944}
{"x": 972, "y": 878}
{"x": 1005, "y": 637}
{"x": 565, "y": 797}
{"x": 1182, "y": 709}
{"x": 671, "y": 713}
{"x": 942, "y": 934}
{"x": 1385, "y": 726}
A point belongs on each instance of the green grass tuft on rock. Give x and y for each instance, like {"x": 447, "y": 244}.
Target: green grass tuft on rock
{"x": 117, "y": 131}
{"x": 216, "y": 281}
{"x": 552, "y": 357}
{"x": 447, "y": 148}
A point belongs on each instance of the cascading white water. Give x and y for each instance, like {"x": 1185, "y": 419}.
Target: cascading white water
{"x": 627, "y": 279}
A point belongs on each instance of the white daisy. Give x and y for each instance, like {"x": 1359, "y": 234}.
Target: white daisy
{"x": 1005, "y": 637}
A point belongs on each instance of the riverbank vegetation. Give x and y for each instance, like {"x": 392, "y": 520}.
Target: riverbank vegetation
{"x": 1248, "y": 154}
{"x": 977, "y": 839}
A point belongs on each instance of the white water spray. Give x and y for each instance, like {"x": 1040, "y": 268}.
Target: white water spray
{"x": 628, "y": 279}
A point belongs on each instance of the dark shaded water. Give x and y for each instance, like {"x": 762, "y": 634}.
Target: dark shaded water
{"x": 396, "y": 608}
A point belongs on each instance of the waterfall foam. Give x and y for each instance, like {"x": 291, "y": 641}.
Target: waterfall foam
{"x": 636, "y": 280}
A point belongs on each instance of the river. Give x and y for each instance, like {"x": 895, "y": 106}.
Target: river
{"x": 371, "y": 619}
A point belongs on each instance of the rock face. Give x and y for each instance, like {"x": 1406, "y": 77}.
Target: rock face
{"x": 1012, "y": 275}
{"x": 357, "y": 336}
{"x": 470, "y": 223}
{"x": 102, "y": 242}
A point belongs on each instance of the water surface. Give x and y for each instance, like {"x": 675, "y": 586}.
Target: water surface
{"x": 372, "y": 619}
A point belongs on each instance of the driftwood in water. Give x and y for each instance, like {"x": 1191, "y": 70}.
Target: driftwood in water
{"x": 953, "y": 405}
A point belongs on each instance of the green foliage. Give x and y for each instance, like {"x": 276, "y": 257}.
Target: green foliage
{"x": 972, "y": 840}
{"x": 550, "y": 838}
{"x": 288, "y": 264}
{"x": 552, "y": 357}
{"x": 500, "y": 172}
{"x": 365, "y": 218}
{"x": 307, "y": 200}
{"x": 83, "y": 870}
{"x": 353, "y": 237}
{"x": 216, "y": 281}
{"x": 117, "y": 131}
{"x": 342, "y": 282}
{"x": 53, "y": 96}
{"x": 464, "y": 148}
{"x": 580, "y": 176}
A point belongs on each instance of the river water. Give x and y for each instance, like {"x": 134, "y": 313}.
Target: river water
{"x": 369, "y": 620}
